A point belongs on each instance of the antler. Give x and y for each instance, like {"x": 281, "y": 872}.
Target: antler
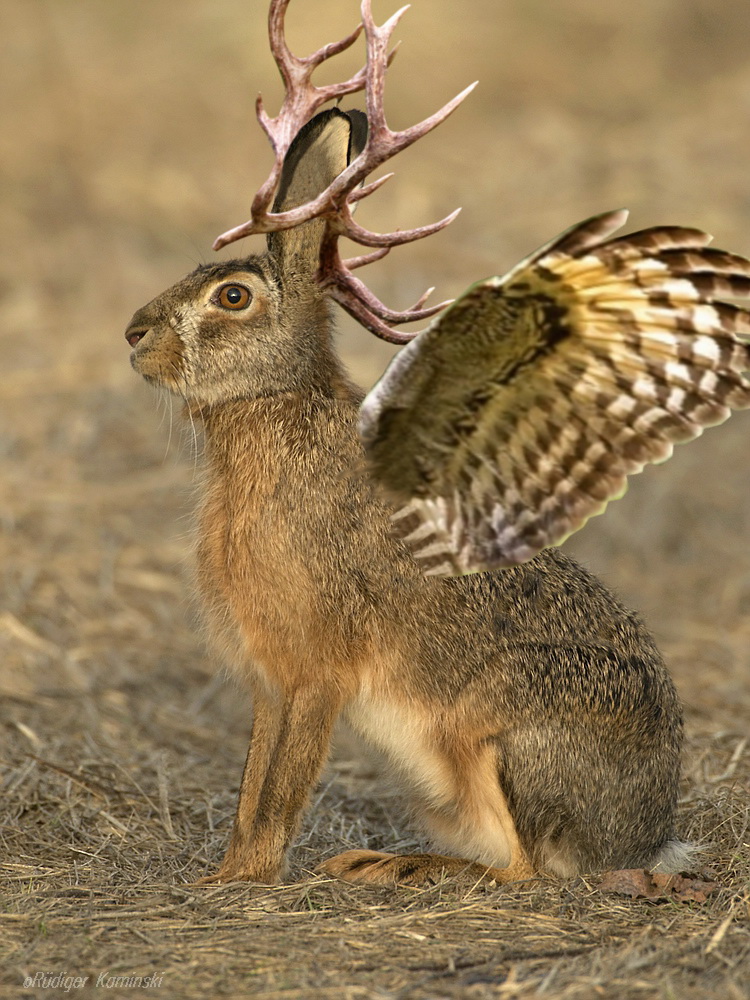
{"x": 302, "y": 99}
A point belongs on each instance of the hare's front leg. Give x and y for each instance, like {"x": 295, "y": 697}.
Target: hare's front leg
{"x": 289, "y": 745}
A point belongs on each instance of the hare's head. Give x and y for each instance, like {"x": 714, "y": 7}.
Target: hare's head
{"x": 259, "y": 325}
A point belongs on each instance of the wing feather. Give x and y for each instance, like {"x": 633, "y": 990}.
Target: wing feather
{"x": 522, "y": 409}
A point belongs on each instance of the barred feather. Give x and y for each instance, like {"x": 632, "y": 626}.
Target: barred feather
{"x": 522, "y": 409}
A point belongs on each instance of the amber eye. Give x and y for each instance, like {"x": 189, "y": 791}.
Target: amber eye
{"x": 234, "y": 296}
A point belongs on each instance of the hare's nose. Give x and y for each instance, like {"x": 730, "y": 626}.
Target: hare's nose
{"x": 133, "y": 336}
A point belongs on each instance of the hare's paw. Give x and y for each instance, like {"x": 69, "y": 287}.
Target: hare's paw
{"x": 379, "y": 868}
{"x": 216, "y": 879}
{"x": 239, "y": 873}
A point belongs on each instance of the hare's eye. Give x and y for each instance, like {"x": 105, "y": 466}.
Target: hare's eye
{"x": 233, "y": 296}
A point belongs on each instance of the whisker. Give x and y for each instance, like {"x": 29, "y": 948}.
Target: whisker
{"x": 166, "y": 399}
{"x": 181, "y": 377}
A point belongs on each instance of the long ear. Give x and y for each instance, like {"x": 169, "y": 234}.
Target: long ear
{"x": 321, "y": 150}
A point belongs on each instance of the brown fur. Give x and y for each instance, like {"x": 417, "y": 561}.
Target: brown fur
{"x": 527, "y": 713}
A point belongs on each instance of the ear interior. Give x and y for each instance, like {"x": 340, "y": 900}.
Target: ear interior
{"x": 319, "y": 153}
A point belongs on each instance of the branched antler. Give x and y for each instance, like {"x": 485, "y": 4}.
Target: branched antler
{"x": 302, "y": 99}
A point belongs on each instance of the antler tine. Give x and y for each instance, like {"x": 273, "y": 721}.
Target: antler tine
{"x": 366, "y": 189}
{"x": 356, "y": 298}
{"x": 352, "y": 263}
{"x": 353, "y": 296}
{"x": 344, "y": 225}
{"x": 335, "y": 204}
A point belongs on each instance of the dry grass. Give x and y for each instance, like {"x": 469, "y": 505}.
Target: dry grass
{"x": 126, "y": 145}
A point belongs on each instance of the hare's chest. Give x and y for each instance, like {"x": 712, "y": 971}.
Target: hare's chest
{"x": 255, "y": 590}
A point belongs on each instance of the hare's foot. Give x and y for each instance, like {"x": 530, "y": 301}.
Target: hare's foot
{"x": 379, "y": 868}
{"x": 234, "y": 870}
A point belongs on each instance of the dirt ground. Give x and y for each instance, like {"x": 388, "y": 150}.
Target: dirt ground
{"x": 127, "y": 143}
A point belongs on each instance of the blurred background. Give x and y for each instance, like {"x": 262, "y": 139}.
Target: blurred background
{"x": 128, "y": 142}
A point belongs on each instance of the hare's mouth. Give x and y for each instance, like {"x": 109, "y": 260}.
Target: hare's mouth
{"x": 134, "y": 336}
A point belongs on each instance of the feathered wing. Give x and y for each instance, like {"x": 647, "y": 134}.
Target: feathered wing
{"x": 523, "y": 408}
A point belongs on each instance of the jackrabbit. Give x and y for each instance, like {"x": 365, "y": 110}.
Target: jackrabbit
{"x": 527, "y": 713}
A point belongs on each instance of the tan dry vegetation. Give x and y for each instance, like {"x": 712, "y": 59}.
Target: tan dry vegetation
{"x": 127, "y": 143}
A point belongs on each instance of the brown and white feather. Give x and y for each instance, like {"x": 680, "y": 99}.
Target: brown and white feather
{"x": 522, "y": 409}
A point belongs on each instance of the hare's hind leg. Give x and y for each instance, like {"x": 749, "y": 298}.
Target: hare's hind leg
{"x": 380, "y": 868}
{"x": 455, "y": 790}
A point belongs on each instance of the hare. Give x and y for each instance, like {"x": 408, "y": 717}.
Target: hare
{"x": 527, "y": 714}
